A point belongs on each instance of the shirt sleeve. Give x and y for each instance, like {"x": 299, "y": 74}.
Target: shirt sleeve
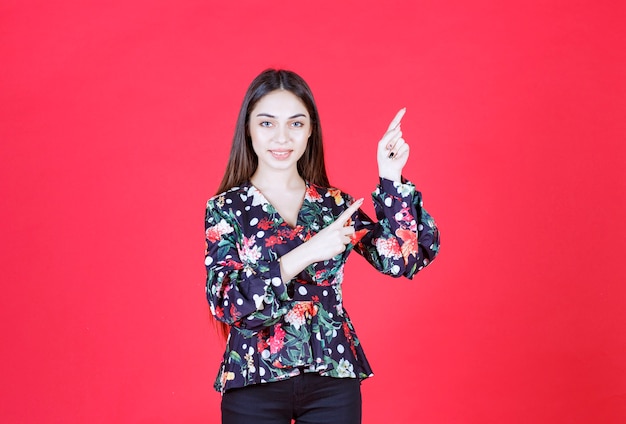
{"x": 244, "y": 290}
{"x": 405, "y": 239}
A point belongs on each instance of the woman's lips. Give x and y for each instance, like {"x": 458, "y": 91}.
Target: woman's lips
{"x": 280, "y": 154}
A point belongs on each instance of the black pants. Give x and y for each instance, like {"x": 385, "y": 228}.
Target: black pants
{"x": 308, "y": 398}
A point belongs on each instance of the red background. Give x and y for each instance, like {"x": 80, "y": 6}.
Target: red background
{"x": 115, "y": 124}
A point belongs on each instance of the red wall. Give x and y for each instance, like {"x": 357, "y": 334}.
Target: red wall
{"x": 115, "y": 124}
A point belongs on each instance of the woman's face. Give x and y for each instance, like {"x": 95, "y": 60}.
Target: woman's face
{"x": 279, "y": 126}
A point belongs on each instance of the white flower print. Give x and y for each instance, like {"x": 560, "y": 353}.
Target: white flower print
{"x": 295, "y": 318}
{"x": 404, "y": 189}
{"x": 250, "y": 360}
{"x": 249, "y": 252}
{"x": 345, "y": 369}
{"x": 388, "y": 247}
{"x": 257, "y": 196}
{"x": 215, "y": 232}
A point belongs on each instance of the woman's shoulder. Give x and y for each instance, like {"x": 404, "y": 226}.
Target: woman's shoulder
{"x": 229, "y": 197}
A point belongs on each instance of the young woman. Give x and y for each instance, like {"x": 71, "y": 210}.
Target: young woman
{"x": 278, "y": 236}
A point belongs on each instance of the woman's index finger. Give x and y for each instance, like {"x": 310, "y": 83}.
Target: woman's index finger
{"x": 396, "y": 120}
{"x": 345, "y": 215}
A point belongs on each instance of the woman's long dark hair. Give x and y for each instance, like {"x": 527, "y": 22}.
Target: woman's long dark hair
{"x": 242, "y": 162}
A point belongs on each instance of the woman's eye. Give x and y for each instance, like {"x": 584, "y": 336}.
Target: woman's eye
{"x": 266, "y": 124}
{"x": 298, "y": 124}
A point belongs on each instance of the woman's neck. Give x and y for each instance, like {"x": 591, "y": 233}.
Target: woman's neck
{"x": 277, "y": 180}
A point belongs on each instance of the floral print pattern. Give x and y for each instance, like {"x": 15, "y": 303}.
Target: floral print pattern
{"x": 281, "y": 328}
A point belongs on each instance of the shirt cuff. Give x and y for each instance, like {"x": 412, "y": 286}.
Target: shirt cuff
{"x": 405, "y": 189}
{"x": 276, "y": 282}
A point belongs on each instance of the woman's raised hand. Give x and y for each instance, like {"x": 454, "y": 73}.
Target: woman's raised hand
{"x": 393, "y": 151}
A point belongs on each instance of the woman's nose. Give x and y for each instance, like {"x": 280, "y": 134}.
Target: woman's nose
{"x": 283, "y": 134}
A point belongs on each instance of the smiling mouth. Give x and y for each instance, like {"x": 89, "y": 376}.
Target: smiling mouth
{"x": 280, "y": 154}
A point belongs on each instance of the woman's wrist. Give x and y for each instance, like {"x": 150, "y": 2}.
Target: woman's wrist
{"x": 294, "y": 261}
{"x": 396, "y": 177}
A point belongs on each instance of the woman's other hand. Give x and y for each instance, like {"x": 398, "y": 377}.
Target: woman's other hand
{"x": 329, "y": 242}
{"x": 333, "y": 239}
{"x": 393, "y": 151}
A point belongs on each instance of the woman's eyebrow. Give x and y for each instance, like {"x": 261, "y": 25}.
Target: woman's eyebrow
{"x": 298, "y": 115}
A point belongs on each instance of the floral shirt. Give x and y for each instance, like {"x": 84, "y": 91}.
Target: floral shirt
{"x": 280, "y": 328}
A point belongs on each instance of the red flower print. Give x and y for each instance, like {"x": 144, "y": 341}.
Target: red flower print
{"x": 312, "y": 307}
{"x": 265, "y": 224}
{"x": 215, "y": 232}
{"x": 348, "y": 334}
{"x": 409, "y": 243}
{"x": 346, "y": 330}
{"x": 299, "y": 313}
{"x": 234, "y": 313}
{"x": 273, "y": 241}
{"x": 290, "y": 233}
{"x": 261, "y": 343}
{"x": 388, "y": 247}
{"x": 276, "y": 341}
{"x": 321, "y": 278}
{"x": 212, "y": 234}
{"x": 231, "y": 263}
{"x": 313, "y": 194}
{"x": 357, "y": 236}
{"x": 219, "y": 311}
